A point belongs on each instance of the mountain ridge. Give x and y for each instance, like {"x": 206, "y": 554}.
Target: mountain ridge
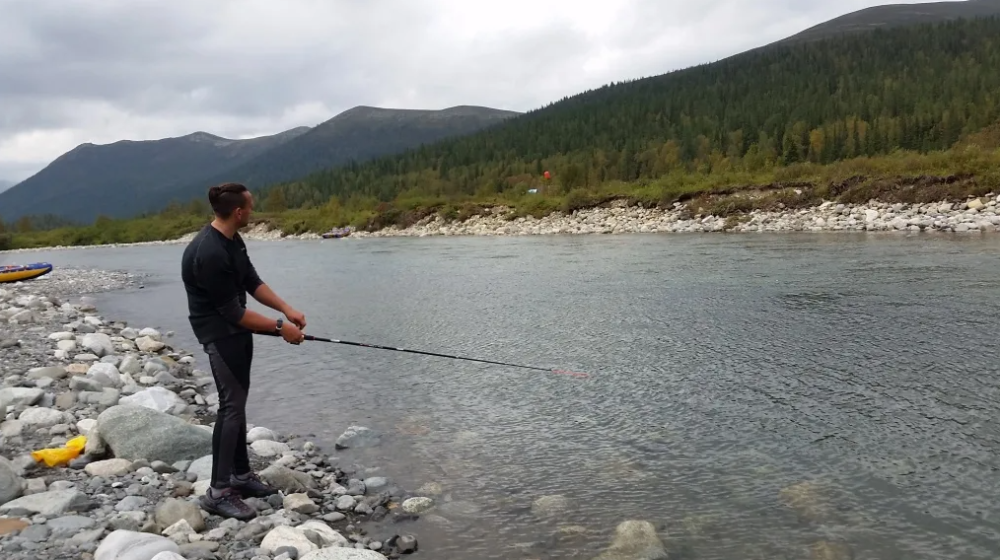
{"x": 92, "y": 179}
{"x": 889, "y": 16}
{"x": 336, "y": 142}
{"x": 129, "y": 177}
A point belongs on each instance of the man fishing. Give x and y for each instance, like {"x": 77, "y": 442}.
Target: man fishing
{"x": 217, "y": 275}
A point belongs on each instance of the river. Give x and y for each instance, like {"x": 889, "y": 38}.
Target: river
{"x": 754, "y": 396}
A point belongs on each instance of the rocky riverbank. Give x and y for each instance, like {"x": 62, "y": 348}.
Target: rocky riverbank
{"x": 146, "y": 413}
{"x": 976, "y": 215}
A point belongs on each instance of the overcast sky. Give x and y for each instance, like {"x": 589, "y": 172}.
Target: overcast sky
{"x": 98, "y": 71}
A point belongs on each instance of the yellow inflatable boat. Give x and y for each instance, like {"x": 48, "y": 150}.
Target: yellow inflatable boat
{"x": 15, "y": 273}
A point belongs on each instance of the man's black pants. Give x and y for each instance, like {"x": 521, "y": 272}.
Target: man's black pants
{"x": 230, "y": 359}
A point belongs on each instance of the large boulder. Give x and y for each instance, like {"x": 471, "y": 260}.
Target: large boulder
{"x": 137, "y": 432}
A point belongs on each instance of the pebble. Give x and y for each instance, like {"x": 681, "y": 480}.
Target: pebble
{"x": 148, "y": 448}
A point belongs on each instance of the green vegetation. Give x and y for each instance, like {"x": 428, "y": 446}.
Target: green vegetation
{"x": 900, "y": 114}
{"x": 970, "y": 168}
{"x": 172, "y": 223}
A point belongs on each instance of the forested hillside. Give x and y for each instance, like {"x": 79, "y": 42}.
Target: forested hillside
{"x": 358, "y": 134}
{"x": 915, "y": 88}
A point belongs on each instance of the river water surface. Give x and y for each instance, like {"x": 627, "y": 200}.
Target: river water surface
{"x": 782, "y": 396}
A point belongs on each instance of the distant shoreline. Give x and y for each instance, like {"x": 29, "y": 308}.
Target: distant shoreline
{"x": 978, "y": 215}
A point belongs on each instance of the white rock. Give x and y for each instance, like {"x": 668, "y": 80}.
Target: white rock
{"x": 345, "y": 503}
{"x": 130, "y": 365}
{"x": 284, "y": 535}
{"x": 62, "y": 335}
{"x": 133, "y": 545}
{"x": 86, "y": 426}
{"x": 147, "y": 344}
{"x": 24, "y": 316}
{"x": 39, "y": 417}
{"x": 52, "y": 503}
{"x": 19, "y": 396}
{"x": 11, "y": 428}
{"x": 268, "y": 448}
{"x": 180, "y": 528}
{"x": 417, "y": 505}
{"x": 201, "y": 467}
{"x": 157, "y": 398}
{"x": 167, "y": 555}
{"x": 258, "y": 433}
{"x": 66, "y": 345}
{"x": 106, "y": 374}
{"x": 108, "y": 467}
{"x": 98, "y": 344}
{"x": 326, "y": 535}
{"x": 151, "y": 333}
{"x": 300, "y": 503}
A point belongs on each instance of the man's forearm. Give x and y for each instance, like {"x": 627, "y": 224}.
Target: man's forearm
{"x": 266, "y": 296}
{"x": 257, "y": 322}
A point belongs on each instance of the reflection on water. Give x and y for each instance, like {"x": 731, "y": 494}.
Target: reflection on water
{"x": 817, "y": 396}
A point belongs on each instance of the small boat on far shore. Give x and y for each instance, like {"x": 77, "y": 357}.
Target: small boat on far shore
{"x": 337, "y": 233}
{"x": 18, "y": 272}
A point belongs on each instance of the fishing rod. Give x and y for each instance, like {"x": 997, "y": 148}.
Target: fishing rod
{"x": 376, "y": 346}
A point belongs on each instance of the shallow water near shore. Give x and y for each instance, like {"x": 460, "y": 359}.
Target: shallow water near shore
{"x": 754, "y": 396}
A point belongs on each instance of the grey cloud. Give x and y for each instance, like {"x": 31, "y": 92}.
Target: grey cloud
{"x": 191, "y": 64}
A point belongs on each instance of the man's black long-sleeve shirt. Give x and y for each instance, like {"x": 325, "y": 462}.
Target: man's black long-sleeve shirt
{"x": 217, "y": 275}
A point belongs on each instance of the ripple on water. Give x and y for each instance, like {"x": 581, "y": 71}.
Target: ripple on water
{"x": 754, "y": 397}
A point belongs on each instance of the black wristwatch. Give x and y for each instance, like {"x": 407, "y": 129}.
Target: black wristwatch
{"x": 277, "y": 327}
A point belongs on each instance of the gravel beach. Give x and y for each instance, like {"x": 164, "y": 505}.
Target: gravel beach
{"x": 976, "y": 215}
{"x": 973, "y": 216}
{"x": 146, "y": 413}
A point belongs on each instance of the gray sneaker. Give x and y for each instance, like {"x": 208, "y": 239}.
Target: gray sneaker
{"x": 228, "y": 504}
{"x": 251, "y": 487}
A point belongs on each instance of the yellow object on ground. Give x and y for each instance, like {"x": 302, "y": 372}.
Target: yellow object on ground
{"x": 55, "y": 456}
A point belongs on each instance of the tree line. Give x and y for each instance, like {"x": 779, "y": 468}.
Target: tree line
{"x": 918, "y": 88}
